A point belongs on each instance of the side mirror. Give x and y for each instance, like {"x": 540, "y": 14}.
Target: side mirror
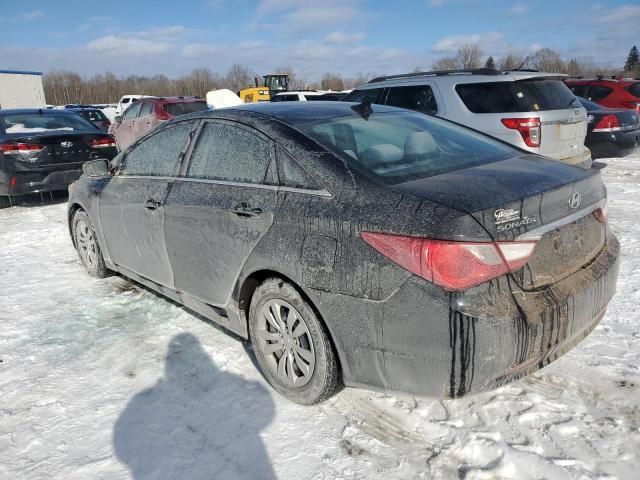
{"x": 117, "y": 118}
{"x": 96, "y": 168}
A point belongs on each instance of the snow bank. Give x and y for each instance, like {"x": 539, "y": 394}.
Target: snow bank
{"x": 20, "y": 128}
{"x": 103, "y": 379}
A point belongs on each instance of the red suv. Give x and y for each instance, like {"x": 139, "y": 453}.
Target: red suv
{"x": 146, "y": 113}
{"x": 608, "y": 92}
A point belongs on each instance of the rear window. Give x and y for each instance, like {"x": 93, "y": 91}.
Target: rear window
{"x": 598, "y": 92}
{"x": 34, "y": 123}
{"x": 402, "y": 146}
{"x": 176, "y": 109}
{"x": 520, "y": 96}
{"x": 634, "y": 89}
{"x": 93, "y": 115}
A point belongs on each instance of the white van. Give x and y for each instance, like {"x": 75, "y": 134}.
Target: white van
{"x": 125, "y": 102}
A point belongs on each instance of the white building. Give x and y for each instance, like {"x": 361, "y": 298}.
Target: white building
{"x": 19, "y": 89}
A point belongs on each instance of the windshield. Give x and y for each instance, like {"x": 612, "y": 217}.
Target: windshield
{"x": 397, "y": 147}
{"x": 176, "y": 109}
{"x": 36, "y": 122}
{"x": 521, "y": 96}
{"x": 589, "y": 105}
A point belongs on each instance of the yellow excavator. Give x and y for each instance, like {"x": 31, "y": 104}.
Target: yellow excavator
{"x": 272, "y": 84}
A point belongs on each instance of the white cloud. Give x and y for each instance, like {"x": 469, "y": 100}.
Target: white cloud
{"x": 623, "y": 14}
{"x": 124, "y": 45}
{"x": 338, "y": 38}
{"x": 518, "y": 9}
{"x": 200, "y": 51}
{"x": 487, "y": 41}
{"x": 320, "y": 16}
{"x": 28, "y": 16}
{"x": 436, "y": 3}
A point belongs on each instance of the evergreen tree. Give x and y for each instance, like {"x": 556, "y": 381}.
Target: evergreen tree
{"x": 633, "y": 60}
{"x": 490, "y": 63}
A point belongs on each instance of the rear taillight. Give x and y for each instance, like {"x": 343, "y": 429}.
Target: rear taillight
{"x": 13, "y": 182}
{"x": 608, "y": 123}
{"x": 102, "y": 142}
{"x": 633, "y": 105}
{"x": 452, "y": 265}
{"x": 529, "y": 129}
{"x": 20, "y": 148}
{"x": 602, "y": 214}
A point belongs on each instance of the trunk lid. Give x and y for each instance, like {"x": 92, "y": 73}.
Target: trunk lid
{"x": 563, "y": 132}
{"x": 528, "y": 196}
{"x": 62, "y": 149}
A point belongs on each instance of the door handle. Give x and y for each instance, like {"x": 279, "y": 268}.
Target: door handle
{"x": 244, "y": 210}
{"x": 152, "y": 204}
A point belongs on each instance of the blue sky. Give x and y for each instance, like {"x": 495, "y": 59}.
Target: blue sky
{"x": 342, "y": 36}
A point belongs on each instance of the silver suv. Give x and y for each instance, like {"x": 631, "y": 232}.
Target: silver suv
{"x": 531, "y": 110}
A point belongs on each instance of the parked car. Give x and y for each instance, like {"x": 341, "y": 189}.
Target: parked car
{"x": 149, "y": 112}
{"x": 611, "y": 132}
{"x": 94, "y": 115}
{"x": 608, "y": 92}
{"x": 534, "y": 111}
{"x": 43, "y": 150}
{"x": 125, "y": 102}
{"x": 307, "y": 96}
{"x": 357, "y": 245}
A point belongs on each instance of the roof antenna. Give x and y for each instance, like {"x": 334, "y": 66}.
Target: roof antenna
{"x": 363, "y": 109}
{"x": 526, "y": 59}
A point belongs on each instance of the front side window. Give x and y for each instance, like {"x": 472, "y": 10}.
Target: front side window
{"x": 159, "y": 154}
{"x": 132, "y": 112}
{"x": 227, "y": 152}
{"x": 396, "y": 147}
{"x": 521, "y": 96}
{"x": 146, "y": 109}
{"x": 419, "y": 98}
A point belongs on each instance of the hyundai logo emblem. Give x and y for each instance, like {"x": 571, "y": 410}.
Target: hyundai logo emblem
{"x": 575, "y": 200}
{"x": 66, "y": 144}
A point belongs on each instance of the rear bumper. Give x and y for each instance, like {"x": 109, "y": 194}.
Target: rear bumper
{"x": 34, "y": 182}
{"x": 614, "y": 144}
{"x": 429, "y": 342}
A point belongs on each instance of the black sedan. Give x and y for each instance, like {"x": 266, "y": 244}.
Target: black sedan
{"x": 94, "y": 115}
{"x": 43, "y": 150}
{"x": 611, "y": 133}
{"x": 357, "y": 245}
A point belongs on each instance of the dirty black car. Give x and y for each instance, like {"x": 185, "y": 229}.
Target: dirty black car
{"x": 357, "y": 245}
{"x": 43, "y": 150}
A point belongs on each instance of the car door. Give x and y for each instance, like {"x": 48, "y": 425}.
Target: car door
{"x": 144, "y": 122}
{"x": 125, "y": 133}
{"x": 219, "y": 209}
{"x": 131, "y": 204}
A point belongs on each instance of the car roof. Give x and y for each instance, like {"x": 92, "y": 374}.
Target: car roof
{"x": 292, "y": 113}
{"x": 42, "y": 111}
{"x": 455, "y": 77}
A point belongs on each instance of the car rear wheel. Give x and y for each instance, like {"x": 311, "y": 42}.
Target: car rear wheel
{"x": 87, "y": 245}
{"x": 291, "y": 344}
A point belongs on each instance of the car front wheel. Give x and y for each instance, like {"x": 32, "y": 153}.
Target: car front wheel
{"x": 291, "y": 344}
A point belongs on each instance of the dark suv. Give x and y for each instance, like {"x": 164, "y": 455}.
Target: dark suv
{"x": 147, "y": 113}
{"x": 608, "y": 92}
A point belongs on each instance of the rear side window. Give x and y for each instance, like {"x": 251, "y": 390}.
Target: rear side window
{"x": 146, "y": 109}
{"x": 634, "y": 89}
{"x": 419, "y": 98}
{"x": 359, "y": 96}
{"x": 520, "y": 96}
{"x": 158, "y": 155}
{"x": 291, "y": 174}
{"x": 595, "y": 93}
{"x": 230, "y": 153}
{"x": 177, "y": 109}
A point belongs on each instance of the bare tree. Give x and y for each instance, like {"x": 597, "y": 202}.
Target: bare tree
{"x": 445, "y": 63}
{"x": 469, "y": 56}
{"x": 548, "y": 60}
{"x": 239, "y": 77}
{"x": 510, "y": 62}
{"x": 332, "y": 81}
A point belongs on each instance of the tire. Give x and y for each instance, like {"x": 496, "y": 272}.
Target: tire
{"x": 87, "y": 245}
{"x": 282, "y": 325}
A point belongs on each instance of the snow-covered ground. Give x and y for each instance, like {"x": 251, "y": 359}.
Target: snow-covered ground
{"x": 101, "y": 379}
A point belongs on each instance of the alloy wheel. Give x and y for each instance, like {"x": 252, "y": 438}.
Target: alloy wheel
{"x": 286, "y": 343}
{"x": 86, "y": 242}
